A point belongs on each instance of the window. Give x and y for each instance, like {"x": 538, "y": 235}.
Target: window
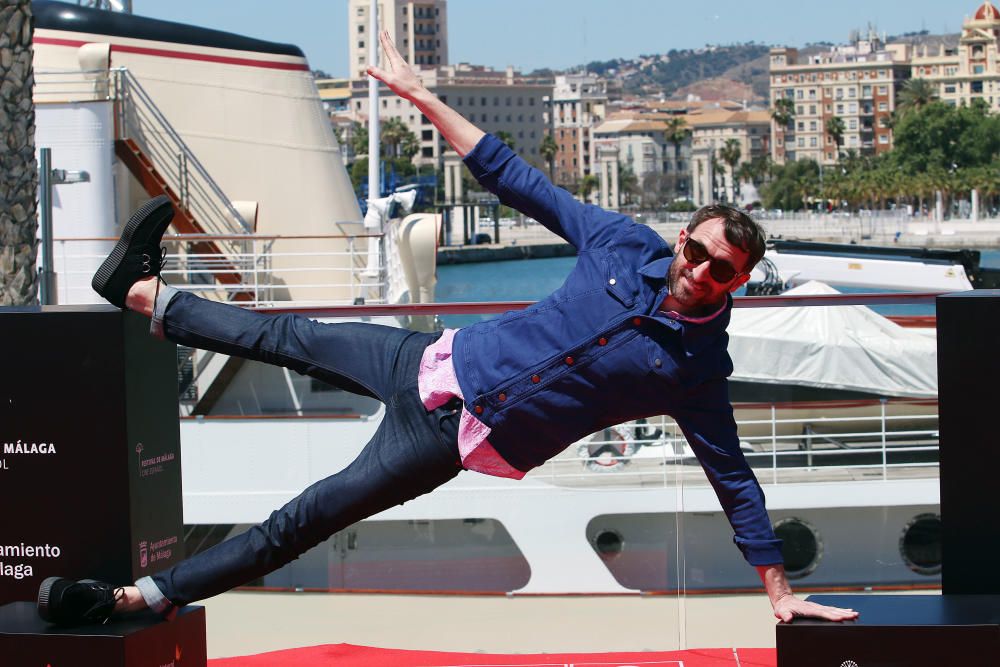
{"x": 812, "y": 142}
{"x": 840, "y": 109}
{"x": 883, "y": 106}
{"x": 949, "y": 90}
{"x": 977, "y": 69}
{"x": 802, "y": 142}
{"x": 883, "y": 90}
{"x": 482, "y": 101}
{"x": 484, "y": 118}
{"x": 801, "y": 126}
{"x": 852, "y": 107}
{"x": 361, "y": 27}
{"x": 866, "y": 91}
{"x": 883, "y": 138}
{"x": 799, "y": 94}
{"x": 812, "y": 109}
{"x": 975, "y": 87}
{"x": 812, "y": 126}
{"x": 812, "y": 93}
{"x": 427, "y": 135}
{"x": 852, "y": 124}
{"x": 852, "y": 92}
{"x": 361, "y": 45}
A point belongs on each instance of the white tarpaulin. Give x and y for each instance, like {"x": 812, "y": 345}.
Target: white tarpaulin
{"x": 835, "y": 347}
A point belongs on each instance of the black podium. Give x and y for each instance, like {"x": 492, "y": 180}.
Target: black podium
{"x": 143, "y": 639}
{"x": 962, "y": 625}
{"x": 90, "y": 470}
{"x": 897, "y": 631}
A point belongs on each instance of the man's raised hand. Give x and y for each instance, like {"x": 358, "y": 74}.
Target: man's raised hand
{"x": 400, "y": 78}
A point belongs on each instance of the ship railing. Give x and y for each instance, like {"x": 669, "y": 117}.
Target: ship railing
{"x": 336, "y": 269}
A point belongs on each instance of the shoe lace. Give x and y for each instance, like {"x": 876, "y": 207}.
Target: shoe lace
{"x": 147, "y": 261}
{"x": 104, "y": 607}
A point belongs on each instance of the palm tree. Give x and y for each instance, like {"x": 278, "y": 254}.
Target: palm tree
{"x": 783, "y": 112}
{"x": 915, "y": 95}
{"x": 677, "y": 133}
{"x": 628, "y": 184}
{"x": 359, "y": 138}
{"x": 397, "y": 140}
{"x": 730, "y": 154}
{"x": 548, "y": 150}
{"x": 507, "y": 138}
{"x": 588, "y": 184}
{"x": 19, "y": 177}
{"x": 835, "y": 128}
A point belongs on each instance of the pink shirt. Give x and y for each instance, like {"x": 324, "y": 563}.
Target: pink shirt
{"x": 437, "y": 385}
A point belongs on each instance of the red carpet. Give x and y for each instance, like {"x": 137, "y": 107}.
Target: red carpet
{"x": 348, "y": 655}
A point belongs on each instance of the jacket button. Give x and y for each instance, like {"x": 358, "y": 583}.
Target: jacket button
{"x": 479, "y": 409}
{"x": 612, "y": 281}
{"x": 636, "y": 321}
{"x": 502, "y": 397}
{"x": 602, "y": 341}
{"x": 657, "y": 363}
{"x": 536, "y": 379}
{"x": 569, "y": 361}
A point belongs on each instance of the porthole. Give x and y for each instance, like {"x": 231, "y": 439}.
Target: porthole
{"x": 609, "y": 543}
{"x": 801, "y": 546}
{"x": 920, "y": 544}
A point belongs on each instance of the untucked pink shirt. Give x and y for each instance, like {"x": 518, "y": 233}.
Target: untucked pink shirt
{"x": 438, "y": 384}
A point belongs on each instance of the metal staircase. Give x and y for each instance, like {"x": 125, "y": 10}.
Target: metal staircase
{"x": 163, "y": 163}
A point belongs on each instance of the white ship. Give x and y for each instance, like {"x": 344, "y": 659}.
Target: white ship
{"x": 234, "y": 131}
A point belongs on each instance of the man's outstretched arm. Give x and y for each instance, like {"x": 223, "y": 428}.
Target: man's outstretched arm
{"x": 497, "y": 168}
{"x": 456, "y": 130}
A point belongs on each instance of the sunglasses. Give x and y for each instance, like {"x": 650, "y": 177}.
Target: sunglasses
{"x": 721, "y": 271}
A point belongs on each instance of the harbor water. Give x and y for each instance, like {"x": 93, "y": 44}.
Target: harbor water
{"x": 533, "y": 279}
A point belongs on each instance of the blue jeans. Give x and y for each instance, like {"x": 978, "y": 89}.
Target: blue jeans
{"x": 412, "y": 452}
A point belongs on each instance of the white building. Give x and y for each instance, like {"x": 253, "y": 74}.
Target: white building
{"x": 419, "y": 27}
{"x": 578, "y": 105}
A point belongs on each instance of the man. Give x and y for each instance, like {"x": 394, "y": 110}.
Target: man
{"x": 634, "y": 332}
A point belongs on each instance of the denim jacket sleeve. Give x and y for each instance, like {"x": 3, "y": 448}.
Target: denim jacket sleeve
{"x": 520, "y": 186}
{"x": 706, "y": 419}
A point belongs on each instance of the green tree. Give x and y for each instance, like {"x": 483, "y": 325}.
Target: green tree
{"x": 783, "y": 112}
{"x": 731, "y": 154}
{"x": 359, "y": 138}
{"x": 588, "y": 184}
{"x": 507, "y": 138}
{"x": 548, "y": 150}
{"x": 677, "y": 133}
{"x": 835, "y": 128}
{"x": 791, "y": 186}
{"x": 628, "y": 185}
{"x": 397, "y": 140}
{"x": 915, "y": 95}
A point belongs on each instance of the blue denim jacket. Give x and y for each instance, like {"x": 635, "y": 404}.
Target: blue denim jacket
{"x": 598, "y": 351}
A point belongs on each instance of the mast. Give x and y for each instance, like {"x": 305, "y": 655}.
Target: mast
{"x": 373, "y": 124}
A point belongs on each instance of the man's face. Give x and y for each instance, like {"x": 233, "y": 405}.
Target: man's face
{"x": 691, "y": 283}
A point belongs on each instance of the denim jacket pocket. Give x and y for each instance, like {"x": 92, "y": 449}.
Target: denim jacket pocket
{"x": 617, "y": 280}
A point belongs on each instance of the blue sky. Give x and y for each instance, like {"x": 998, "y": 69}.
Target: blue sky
{"x": 531, "y": 34}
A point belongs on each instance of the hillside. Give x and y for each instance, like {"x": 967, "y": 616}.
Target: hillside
{"x": 736, "y": 71}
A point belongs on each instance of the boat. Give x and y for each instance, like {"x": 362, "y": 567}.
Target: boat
{"x": 194, "y": 113}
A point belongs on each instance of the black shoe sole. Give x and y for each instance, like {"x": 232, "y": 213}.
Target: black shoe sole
{"x": 44, "y": 603}
{"x": 105, "y": 273}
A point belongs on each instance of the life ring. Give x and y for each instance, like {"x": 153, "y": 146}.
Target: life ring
{"x": 608, "y": 450}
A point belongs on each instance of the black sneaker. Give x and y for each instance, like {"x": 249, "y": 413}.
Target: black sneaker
{"x": 67, "y": 602}
{"x": 137, "y": 253}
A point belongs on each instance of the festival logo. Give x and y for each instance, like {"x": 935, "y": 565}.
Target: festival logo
{"x": 143, "y": 554}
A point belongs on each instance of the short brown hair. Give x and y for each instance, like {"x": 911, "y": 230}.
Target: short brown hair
{"x": 741, "y": 230}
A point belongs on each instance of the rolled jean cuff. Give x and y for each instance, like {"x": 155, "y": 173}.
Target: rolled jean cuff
{"x": 164, "y": 296}
{"x": 155, "y": 599}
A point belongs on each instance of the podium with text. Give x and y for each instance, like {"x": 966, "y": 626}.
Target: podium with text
{"x": 90, "y": 470}
{"x": 962, "y": 625}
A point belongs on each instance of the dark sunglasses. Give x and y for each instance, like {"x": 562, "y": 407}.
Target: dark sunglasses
{"x": 720, "y": 270}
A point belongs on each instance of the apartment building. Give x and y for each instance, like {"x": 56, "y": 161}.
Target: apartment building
{"x": 578, "y": 104}
{"x": 496, "y": 101}
{"x": 857, "y": 83}
{"x": 711, "y": 131}
{"x": 971, "y": 70}
{"x": 419, "y": 27}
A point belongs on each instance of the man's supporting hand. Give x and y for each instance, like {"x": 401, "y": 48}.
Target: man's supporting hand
{"x": 402, "y": 80}
{"x": 786, "y": 606}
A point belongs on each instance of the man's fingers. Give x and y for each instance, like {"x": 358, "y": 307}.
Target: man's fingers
{"x": 377, "y": 73}
{"x": 391, "y": 54}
